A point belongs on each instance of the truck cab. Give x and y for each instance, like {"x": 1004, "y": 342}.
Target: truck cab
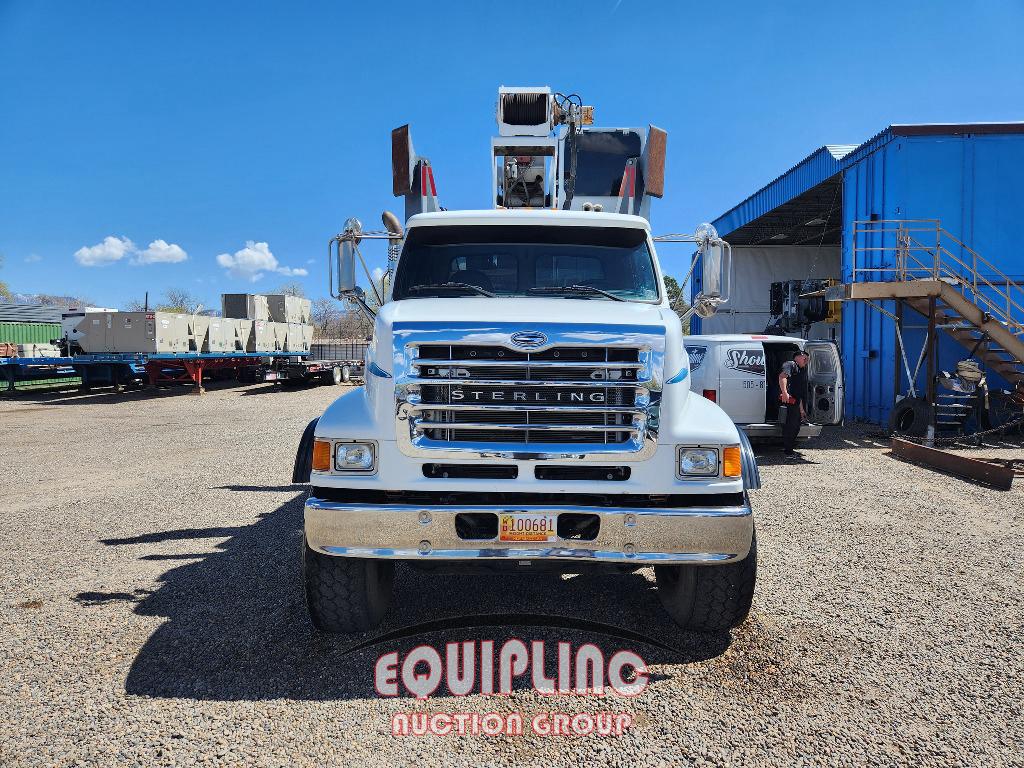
{"x": 740, "y": 372}
{"x": 527, "y": 406}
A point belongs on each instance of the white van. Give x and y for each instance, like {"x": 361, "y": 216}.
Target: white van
{"x": 740, "y": 372}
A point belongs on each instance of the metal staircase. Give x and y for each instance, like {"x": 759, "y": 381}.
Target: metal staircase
{"x": 961, "y": 293}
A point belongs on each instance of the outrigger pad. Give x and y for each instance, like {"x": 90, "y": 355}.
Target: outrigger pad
{"x": 653, "y": 164}
{"x": 403, "y": 161}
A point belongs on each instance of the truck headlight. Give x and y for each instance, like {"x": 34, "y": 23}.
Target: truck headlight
{"x": 355, "y": 457}
{"x": 696, "y": 462}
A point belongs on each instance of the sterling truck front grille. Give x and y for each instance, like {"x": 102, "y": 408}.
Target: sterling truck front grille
{"x": 490, "y": 394}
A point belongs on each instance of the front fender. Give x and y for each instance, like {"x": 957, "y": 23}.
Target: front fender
{"x": 701, "y": 421}
{"x": 304, "y": 455}
{"x": 696, "y": 421}
{"x": 751, "y": 472}
{"x": 350, "y": 416}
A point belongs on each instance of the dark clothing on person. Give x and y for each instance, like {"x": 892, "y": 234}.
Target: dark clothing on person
{"x": 791, "y": 427}
{"x": 797, "y": 386}
{"x": 797, "y": 380}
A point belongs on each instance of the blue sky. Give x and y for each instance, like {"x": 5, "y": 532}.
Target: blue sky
{"x": 184, "y": 144}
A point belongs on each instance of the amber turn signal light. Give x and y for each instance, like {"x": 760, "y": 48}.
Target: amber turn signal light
{"x": 321, "y": 456}
{"x": 731, "y": 464}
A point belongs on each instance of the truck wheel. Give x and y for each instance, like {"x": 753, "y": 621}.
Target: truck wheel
{"x": 346, "y": 594}
{"x": 336, "y": 375}
{"x": 709, "y": 598}
{"x": 346, "y": 374}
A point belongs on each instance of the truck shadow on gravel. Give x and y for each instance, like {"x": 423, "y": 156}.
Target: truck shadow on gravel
{"x": 236, "y": 625}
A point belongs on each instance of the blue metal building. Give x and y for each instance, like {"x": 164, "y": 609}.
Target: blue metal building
{"x": 962, "y": 182}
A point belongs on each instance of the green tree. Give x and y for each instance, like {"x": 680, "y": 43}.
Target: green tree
{"x": 677, "y": 301}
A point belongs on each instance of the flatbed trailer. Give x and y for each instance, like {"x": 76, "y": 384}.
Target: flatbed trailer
{"x": 337, "y": 362}
{"x": 122, "y": 370}
{"x": 314, "y": 372}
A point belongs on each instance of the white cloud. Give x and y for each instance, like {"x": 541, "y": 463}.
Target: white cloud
{"x": 114, "y": 249}
{"x": 378, "y": 274}
{"x": 161, "y": 252}
{"x": 111, "y": 250}
{"x": 252, "y": 261}
{"x": 33, "y": 258}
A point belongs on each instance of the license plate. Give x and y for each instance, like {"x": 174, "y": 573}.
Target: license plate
{"x": 271, "y": 376}
{"x": 526, "y": 527}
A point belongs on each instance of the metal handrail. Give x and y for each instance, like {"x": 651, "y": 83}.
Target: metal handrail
{"x": 933, "y": 260}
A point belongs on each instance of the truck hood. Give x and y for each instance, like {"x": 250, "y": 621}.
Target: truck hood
{"x": 523, "y": 310}
{"x": 403, "y": 328}
{"x": 482, "y": 320}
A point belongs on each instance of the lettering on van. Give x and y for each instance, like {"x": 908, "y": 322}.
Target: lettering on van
{"x": 747, "y": 360}
{"x": 696, "y": 355}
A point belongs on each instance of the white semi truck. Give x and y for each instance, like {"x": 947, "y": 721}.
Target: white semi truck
{"x": 527, "y": 403}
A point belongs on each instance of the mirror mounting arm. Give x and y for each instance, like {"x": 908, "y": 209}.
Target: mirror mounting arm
{"x": 357, "y": 297}
{"x": 343, "y": 248}
{"x": 717, "y": 266}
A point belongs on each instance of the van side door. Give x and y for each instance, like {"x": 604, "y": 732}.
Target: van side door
{"x": 824, "y": 383}
{"x": 743, "y": 388}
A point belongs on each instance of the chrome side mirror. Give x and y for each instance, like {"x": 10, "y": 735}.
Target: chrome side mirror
{"x": 712, "y": 257}
{"x": 716, "y": 271}
{"x": 346, "y": 267}
{"x": 346, "y": 258}
{"x": 715, "y": 257}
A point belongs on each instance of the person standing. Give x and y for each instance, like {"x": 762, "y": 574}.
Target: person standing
{"x": 793, "y": 394}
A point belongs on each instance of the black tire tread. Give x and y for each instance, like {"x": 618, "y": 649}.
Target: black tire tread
{"x": 719, "y": 598}
{"x": 724, "y": 594}
{"x": 341, "y": 594}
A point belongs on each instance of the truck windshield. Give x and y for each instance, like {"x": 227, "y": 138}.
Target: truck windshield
{"x": 526, "y": 261}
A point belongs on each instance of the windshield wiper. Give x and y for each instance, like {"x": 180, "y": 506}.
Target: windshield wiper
{"x": 575, "y": 289}
{"x": 444, "y": 286}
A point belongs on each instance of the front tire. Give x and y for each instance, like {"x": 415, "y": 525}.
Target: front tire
{"x": 346, "y": 594}
{"x": 709, "y": 598}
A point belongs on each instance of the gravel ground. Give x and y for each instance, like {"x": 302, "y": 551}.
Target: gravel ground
{"x": 151, "y": 611}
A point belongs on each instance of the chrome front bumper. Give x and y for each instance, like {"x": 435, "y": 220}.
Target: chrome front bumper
{"x": 644, "y": 535}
